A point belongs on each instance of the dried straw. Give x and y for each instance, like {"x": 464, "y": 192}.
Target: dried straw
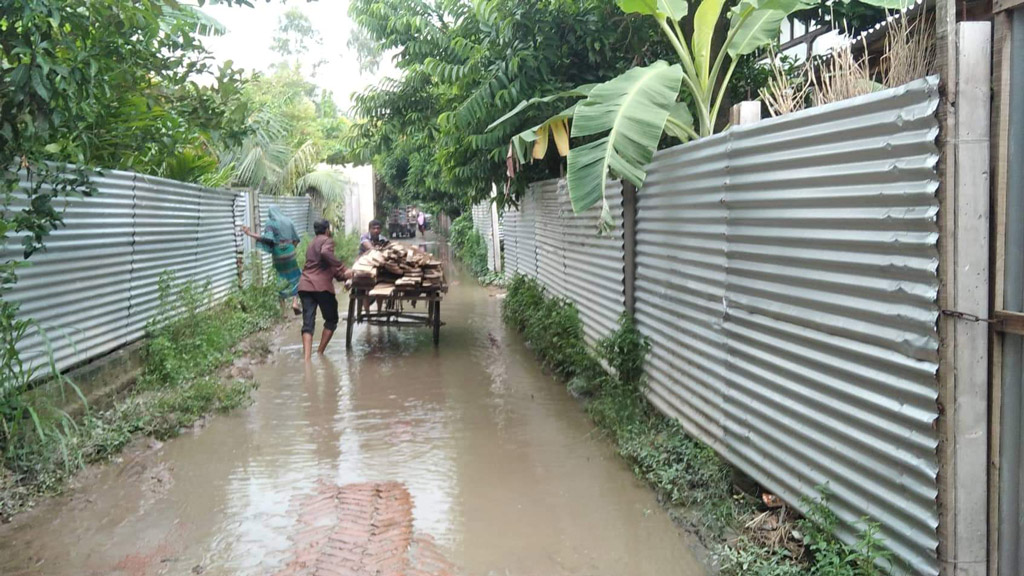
{"x": 785, "y": 94}
{"x": 842, "y": 77}
{"x": 909, "y": 50}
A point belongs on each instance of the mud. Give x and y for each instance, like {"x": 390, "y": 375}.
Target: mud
{"x": 392, "y": 458}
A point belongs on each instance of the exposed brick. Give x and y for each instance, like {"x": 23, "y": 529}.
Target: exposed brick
{"x": 362, "y": 530}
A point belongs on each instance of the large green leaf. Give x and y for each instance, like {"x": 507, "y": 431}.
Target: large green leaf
{"x": 704, "y": 22}
{"x": 755, "y": 23}
{"x": 661, "y": 9}
{"x": 679, "y": 120}
{"x": 578, "y": 92}
{"x": 632, "y": 108}
{"x": 891, "y": 4}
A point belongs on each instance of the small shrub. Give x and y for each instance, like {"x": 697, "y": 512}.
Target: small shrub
{"x": 469, "y": 245}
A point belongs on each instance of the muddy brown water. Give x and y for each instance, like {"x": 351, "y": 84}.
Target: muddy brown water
{"x": 506, "y": 474}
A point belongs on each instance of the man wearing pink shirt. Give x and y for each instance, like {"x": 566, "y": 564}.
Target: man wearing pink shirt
{"x": 316, "y": 288}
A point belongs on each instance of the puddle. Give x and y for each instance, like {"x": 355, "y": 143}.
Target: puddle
{"x": 504, "y": 474}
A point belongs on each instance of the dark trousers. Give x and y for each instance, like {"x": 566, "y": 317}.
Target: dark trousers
{"x": 328, "y": 304}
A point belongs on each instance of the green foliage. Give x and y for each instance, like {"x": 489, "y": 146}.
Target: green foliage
{"x": 824, "y": 554}
{"x": 43, "y": 446}
{"x": 469, "y": 245}
{"x": 552, "y": 326}
{"x": 462, "y": 65}
{"x": 346, "y": 247}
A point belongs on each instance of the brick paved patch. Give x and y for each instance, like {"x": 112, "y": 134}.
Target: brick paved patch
{"x": 362, "y": 530}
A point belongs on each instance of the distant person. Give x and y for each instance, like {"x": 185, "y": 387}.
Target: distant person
{"x": 421, "y": 221}
{"x": 316, "y": 288}
{"x": 373, "y": 239}
{"x": 279, "y": 239}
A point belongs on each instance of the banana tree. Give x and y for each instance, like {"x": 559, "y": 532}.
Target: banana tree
{"x": 633, "y": 110}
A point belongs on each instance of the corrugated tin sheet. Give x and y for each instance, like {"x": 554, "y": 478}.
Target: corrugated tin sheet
{"x": 526, "y": 240}
{"x": 166, "y": 242}
{"x": 680, "y": 282}
{"x": 482, "y": 224}
{"x": 96, "y": 286}
{"x": 550, "y": 235}
{"x": 77, "y": 289}
{"x": 594, "y": 264}
{"x": 792, "y": 306}
{"x": 510, "y": 241}
{"x": 217, "y": 263}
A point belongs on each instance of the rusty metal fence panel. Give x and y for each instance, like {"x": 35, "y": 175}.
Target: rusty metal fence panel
{"x": 792, "y": 309}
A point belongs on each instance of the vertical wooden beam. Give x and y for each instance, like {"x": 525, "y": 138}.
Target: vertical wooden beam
{"x": 945, "y": 63}
{"x": 1000, "y": 140}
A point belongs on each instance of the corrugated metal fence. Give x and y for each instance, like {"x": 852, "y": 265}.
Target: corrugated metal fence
{"x": 786, "y": 277}
{"x": 566, "y": 254}
{"x": 482, "y": 224}
{"x": 95, "y": 287}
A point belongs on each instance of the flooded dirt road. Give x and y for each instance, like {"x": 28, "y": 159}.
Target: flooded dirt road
{"x": 465, "y": 459}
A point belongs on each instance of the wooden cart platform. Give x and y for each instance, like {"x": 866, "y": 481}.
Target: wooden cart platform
{"x": 397, "y": 308}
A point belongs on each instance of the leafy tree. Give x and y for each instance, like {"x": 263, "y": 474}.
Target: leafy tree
{"x": 623, "y": 119}
{"x": 295, "y": 33}
{"x": 93, "y": 82}
{"x": 463, "y": 64}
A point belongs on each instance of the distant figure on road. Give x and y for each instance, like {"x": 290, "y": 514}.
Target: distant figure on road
{"x": 421, "y": 221}
{"x": 279, "y": 239}
{"x": 372, "y": 240}
{"x": 316, "y": 288}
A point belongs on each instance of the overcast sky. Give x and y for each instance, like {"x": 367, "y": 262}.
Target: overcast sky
{"x": 250, "y": 31}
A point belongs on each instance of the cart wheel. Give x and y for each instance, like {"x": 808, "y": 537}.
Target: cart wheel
{"x": 437, "y": 322}
{"x": 351, "y": 321}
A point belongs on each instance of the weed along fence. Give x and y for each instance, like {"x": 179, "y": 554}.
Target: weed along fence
{"x": 786, "y": 276}
{"x": 564, "y": 252}
{"x": 96, "y": 286}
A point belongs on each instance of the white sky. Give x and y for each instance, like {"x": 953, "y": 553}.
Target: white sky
{"x": 251, "y": 30}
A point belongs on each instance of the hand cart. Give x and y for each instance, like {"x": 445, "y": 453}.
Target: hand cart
{"x": 399, "y": 309}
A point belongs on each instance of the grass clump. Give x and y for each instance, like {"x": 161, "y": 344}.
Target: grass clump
{"x": 685, "y": 472}
{"x": 177, "y": 386}
{"x": 469, "y": 246}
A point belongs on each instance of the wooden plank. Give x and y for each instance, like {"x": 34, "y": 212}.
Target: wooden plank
{"x": 1009, "y": 322}
{"x": 945, "y": 62}
{"x": 1004, "y": 5}
{"x": 1000, "y": 169}
{"x": 382, "y": 291}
